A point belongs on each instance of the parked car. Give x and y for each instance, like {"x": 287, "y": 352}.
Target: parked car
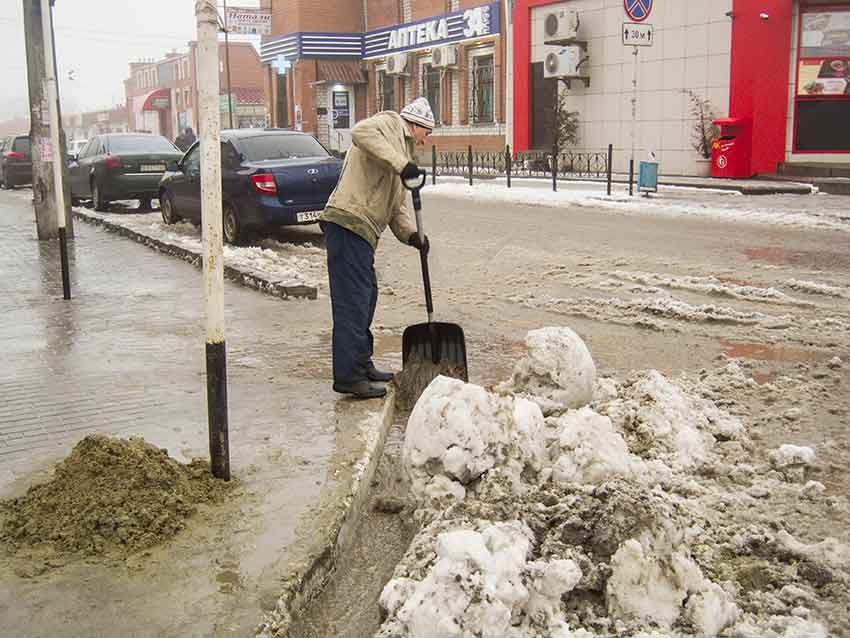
{"x": 270, "y": 178}
{"x": 15, "y": 161}
{"x": 75, "y": 147}
{"x": 117, "y": 166}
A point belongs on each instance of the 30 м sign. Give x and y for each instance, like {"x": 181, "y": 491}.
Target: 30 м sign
{"x": 453, "y": 27}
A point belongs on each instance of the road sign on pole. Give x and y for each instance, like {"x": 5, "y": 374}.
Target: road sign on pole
{"x": 637, "y": 10}
{"x": 638, "y": 34}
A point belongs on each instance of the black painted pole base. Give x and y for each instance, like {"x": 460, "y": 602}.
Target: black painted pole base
{"x": 63, "y": 255}
{"x": 217, "y": 410}
{"x": 631, "y": 177}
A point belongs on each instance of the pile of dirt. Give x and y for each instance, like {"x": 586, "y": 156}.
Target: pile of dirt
{"x": 109, "y": 496}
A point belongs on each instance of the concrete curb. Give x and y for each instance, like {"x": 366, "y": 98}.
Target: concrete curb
{"x": 328, "y": 532}
{"x": 246, "y": 277}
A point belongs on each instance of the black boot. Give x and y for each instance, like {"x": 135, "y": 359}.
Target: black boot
{"x": 376, "y": 375}
{"x": 360, "y": 389}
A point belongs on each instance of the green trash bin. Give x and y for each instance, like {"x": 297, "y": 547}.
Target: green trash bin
{"x": 648, "y": 177}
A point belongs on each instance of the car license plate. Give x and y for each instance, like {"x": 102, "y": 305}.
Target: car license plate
{"x": 152, "y": 168}
{"x": 309, "y": 216}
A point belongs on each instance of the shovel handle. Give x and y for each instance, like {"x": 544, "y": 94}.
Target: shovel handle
{"x": 423, "y": 256}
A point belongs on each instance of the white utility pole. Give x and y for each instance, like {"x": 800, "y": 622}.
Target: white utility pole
{"x": 211, "y": 223}
{"x": 634, "y": 119}
{"x": 55, "y": 141}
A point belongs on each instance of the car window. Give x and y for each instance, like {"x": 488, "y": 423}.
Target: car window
{"x": 192, "y": 161}
{"x": 22, "y": 145}
{"x": 84, "y": 152}
{"x": 230, "y": 157}
{"x": 281, "y": 146}
{"x": 3, "y": 144}
{"x": 140, "y": 144}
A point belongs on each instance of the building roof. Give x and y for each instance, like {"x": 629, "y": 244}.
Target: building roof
{"x": 342, "y": 72}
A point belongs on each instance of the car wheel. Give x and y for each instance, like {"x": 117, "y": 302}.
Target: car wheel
{"x": 233, "y": 232}
{"x": 7, "y": 184}
{"x": 99, "y": 202}
{"x": 167, "y": 210}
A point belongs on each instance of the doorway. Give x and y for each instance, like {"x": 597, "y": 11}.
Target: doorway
{"x": 341, "y": 100}
{"x": 542, "y": 98}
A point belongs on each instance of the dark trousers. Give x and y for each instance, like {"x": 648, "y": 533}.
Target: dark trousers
{"x": 354, "y": 295}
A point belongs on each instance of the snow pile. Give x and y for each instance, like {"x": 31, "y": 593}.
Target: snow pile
{"x": 654, "y": 587}
{"x": 787, "y": 455}
{"x": 661, "y": 421}
{"x": 286, "y": 263}
{"x": 619, "y": 518}
{"x": 589, "y": 450}
{"x": 457, "y": 431}
{"x": 557, "y": 373}
{"x": 481, "y": 583}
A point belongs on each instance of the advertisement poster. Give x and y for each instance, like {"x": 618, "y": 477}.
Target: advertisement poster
{"x": 824, "y": 77}
{"x": 825, "y": 34}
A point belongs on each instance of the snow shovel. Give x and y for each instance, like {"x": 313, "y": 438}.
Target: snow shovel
{"x": 434, "y": 348}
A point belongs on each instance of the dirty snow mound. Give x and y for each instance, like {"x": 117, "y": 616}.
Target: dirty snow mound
{"x": 792, "y": 455}
{"x": 588, "y": 450}
{"x": 457, "y": 431}
{"x": 557, "y": 373}
{"x": 481, "y": 583}
{"x": 662, "y": 422}
{"x": 110, "y": 496}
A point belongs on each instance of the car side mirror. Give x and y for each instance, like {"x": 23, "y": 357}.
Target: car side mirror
{"x": 173, "y": 166}
{"x": 72, "y": 157}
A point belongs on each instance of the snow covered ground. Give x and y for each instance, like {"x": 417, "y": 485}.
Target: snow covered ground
{"x": 816, "y": 211}
{"x": 289, "y": 263}
{"x": 645, "y": 510}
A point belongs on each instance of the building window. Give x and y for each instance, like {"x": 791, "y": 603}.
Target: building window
{"x": 431, "y": 89}
{"x": 179, "y": 95}
{"x": 187, "y": 97}
{"x": 483, "y": 93}
{"x": 823, "y": 81}
{"x": 386, "y": 92}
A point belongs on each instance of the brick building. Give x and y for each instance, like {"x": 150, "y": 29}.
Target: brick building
{"x": 332, "y": 64}
{"x": 162, "y": 94}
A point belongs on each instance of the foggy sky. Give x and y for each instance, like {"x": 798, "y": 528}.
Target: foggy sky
{"x": 97, "y": 39}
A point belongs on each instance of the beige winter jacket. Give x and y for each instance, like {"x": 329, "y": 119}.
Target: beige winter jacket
{"x": 370, "y": 196}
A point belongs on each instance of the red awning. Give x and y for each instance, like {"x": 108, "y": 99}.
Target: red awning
{"x": 157, "y": 100}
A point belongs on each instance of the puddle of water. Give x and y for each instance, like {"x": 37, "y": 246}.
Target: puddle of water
{"x": 763, "y": 352}
{"x": 812, "y": 259}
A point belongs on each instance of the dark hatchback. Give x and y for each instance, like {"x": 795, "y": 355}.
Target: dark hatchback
{"x": 270, "y": 178}
{"x": 15, "y": 161}
{"x": 117, "y": 166}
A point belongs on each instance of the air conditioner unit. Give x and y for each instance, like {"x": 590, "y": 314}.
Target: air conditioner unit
{"x": 560, "y": 27}
{"x": 397, "y": 64}
{"x": 444, "y": 57}
{"x": 566, "y": 63}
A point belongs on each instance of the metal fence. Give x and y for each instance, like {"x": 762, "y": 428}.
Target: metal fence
{"x": 552, "y": 164}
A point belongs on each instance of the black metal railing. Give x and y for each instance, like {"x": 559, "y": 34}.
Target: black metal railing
{"x": 552, "y": 164}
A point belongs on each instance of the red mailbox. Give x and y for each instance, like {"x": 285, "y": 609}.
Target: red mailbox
{"x": 732, "y": 152}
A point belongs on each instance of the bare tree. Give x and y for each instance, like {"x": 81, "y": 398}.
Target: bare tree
{"x": 704, "y": 131}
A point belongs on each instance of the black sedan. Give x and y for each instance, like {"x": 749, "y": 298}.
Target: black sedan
{"x": 118, "y": 166}
{"x": 15, "y": 161}
{"x": 270, "y": 178}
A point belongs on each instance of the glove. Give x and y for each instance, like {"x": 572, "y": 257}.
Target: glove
{"x": 413, "y": 240}
{"x": 410, "y": 172}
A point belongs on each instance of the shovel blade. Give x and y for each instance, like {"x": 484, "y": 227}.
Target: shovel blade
{"x": 441, "y": 344}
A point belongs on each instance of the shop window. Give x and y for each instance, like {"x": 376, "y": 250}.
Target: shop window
{"x": 823, "y": 81}
{"x": 431, "y": 78}
{"x": 386, "y": 92}
{"x": 483, "y": 93}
